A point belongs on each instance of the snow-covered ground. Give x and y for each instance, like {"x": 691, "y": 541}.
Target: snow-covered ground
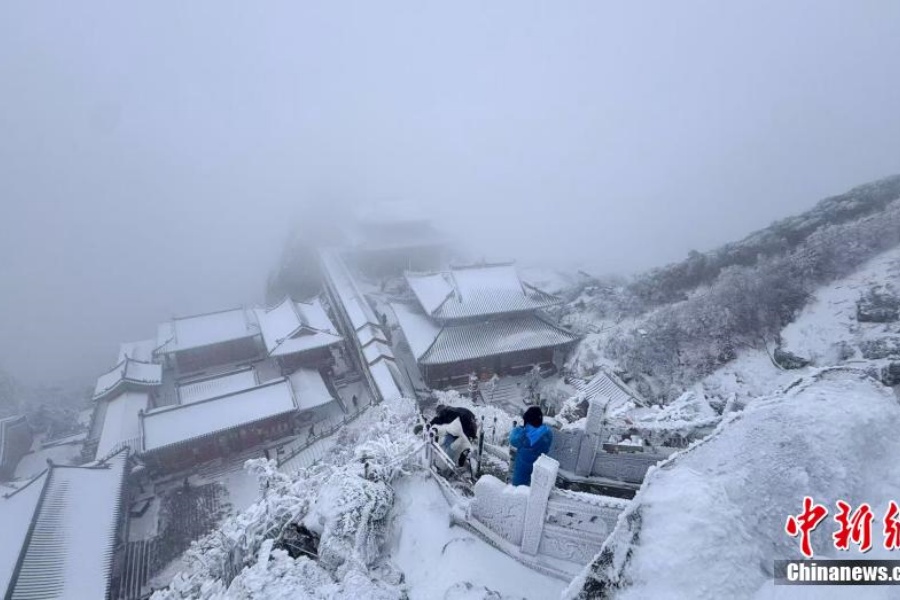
{"x": 830, "y": 318}
{"x": 440, "y": 561}
{"x": 710, "y": 521}
{"x": 827, "y": 324}
{"x": 243, "y": 489}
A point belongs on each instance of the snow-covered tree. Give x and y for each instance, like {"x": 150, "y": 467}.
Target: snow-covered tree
{"x": 345, "y": 499}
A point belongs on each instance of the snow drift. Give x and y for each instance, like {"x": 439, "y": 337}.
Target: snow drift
{"x": 709, "y": 522}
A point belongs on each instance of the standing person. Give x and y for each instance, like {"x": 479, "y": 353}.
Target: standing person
{"x": 530, "y": 441}
{"x": 494, "y": 380}
{"x": 473, "y": 386}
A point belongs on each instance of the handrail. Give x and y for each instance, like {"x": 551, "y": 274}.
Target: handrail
{"x": 327, "y": 432}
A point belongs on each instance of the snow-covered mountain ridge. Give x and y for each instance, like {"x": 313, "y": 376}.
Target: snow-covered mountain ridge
{"x": 709, "y": 521}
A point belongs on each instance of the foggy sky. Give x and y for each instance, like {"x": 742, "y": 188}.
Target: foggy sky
{"x": 153, "y": 155}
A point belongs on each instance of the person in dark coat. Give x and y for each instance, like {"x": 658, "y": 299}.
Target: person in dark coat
{"x": 457, "y": 429}
{"x": 445, "y": 415}
{"x": 530, "y": 441}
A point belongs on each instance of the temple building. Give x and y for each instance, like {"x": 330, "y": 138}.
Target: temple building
{"x": 297, "y": 333}
{"x": 480, "y": 318}
{"x": 229, "y": 414}
{"x": 191, "y": 344}
{"x": 216, "y": 384}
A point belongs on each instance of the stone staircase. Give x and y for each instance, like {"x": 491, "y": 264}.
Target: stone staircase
{"x": 139, "y": 558}
{"x": 509, "y": 394}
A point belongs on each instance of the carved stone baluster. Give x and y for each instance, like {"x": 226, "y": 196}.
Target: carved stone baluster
{"x": 543, "y": 480}
{"x": 593, "y": 431}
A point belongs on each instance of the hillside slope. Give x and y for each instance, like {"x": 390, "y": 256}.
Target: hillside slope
{"x": 660, "y": 285}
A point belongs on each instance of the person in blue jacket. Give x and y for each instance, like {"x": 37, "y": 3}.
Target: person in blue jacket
{"x": 530, "y": 441}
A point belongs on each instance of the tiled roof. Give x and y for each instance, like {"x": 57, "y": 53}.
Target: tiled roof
{"x": 17, "y": 510}
{"x": 309, "y": 388}
{"x": 359, "y": 313}
{"x": 479, "y": 290}
{"x": 385, "y": 379}
{"x": 293, "y": 327}
{"x": 197, "y": 331}
{"x": 67, "y": 551}
{"x": 419, "y": 330}
{"x": 181, "y": 423}
{"x": 121, "y": 424}
{"x": 141, "y": 350}
{"x": 128, "y": 371}
{"x": 492, "y": 337}
{"x": 376, "y": 351}
{"x": 219, "y": 385}
{"x": 608, "y": 386}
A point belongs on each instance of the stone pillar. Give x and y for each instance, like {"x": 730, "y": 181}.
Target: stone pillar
{"x": 543, "y": 480}
{"x": 593, "y": 431}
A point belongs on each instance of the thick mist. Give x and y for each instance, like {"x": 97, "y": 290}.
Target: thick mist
{"x": 153, "y": 156}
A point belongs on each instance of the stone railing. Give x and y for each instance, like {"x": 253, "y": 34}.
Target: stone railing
{"x": 580, "y": 452}
{"x": 539, "y": 521}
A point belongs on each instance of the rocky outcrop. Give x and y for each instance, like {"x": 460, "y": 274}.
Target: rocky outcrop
{"x": 885, "y": 347}
{"x": 878, "y": 305}
{"x": 789, "y": 360}
{"x": 890, "y": 375}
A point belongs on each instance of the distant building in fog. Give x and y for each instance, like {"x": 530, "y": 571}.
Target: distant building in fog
{"x": 389, "y": 238}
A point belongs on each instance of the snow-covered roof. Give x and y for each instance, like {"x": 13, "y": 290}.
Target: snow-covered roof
{"x": 184, "y": 333}
{"x": 180, "y": 423}
{"x": 608, "y": 386}
{"x": 313, "y": 315}
{"x": 355, "y": 305}
{"x": 67, "y": 549}
{"x": 141, "y": 350}
{"x": 385, "y": 380}
{"x": 476, "y": 290}
{"x": 17, "y": 510}
{"x": 293, "y": 327}
{"x": 128, "y": 371}
{"x": 419, "y": 331}
{"x": 370, "y": 333}
{"x": 431, "y": 290}
{"x": 213, "y": 387}
{"x": 376, "y": 351}
{"x": 121, "y": 424}
{"x": 499, "y": 336}
{"x": 309, "y": 389}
